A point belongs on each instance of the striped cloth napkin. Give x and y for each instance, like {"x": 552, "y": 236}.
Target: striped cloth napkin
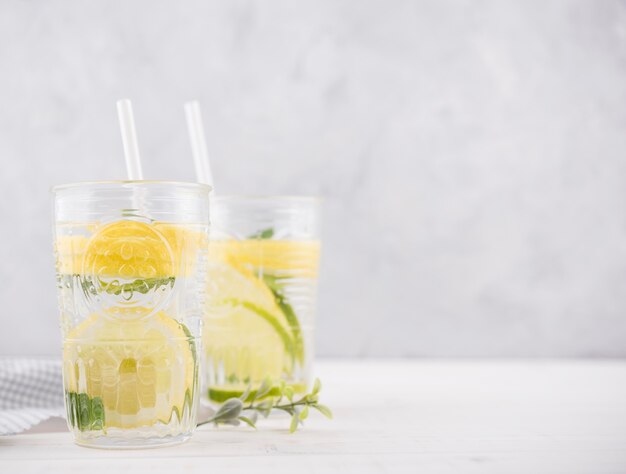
{"x": 31, "y": 391}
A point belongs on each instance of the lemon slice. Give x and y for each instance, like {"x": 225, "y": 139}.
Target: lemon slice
{"x": 299, "y": 258}
{"x": 130, "y": 249}
{"x": 144, "y": 371}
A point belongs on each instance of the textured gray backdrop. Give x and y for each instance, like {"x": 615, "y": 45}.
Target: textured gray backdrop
{"x": 472, "y": 154}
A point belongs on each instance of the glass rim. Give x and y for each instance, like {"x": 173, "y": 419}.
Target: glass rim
{"x": 116, "y": 183}
{"x": 268, "y": 197}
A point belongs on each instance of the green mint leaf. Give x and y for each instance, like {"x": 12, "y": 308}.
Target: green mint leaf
{"x": 142, "y": 286}
{"x": 304, "y": 413}
{"x": 263, "y": 234}
{"x": 116, "y": 288}
{"x": 84, "y": 412}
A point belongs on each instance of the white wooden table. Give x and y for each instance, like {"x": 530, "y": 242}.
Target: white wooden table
{"x": 397, "y": 416}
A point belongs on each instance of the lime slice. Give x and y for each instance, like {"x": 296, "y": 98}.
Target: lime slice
{"x": 269, "y": 263}
{"x": 221, "y": 395}
{"x": 244, "y": 332}
{"x": 143, "y": 371}
{"x": 251, "y": 331}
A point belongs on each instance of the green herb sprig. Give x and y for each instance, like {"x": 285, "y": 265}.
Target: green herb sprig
{"x": 263, "y": 234}
{"x": 247, "y": 407}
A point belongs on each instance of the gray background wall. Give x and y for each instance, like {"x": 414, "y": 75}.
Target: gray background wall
{"x": 472, "y": 154}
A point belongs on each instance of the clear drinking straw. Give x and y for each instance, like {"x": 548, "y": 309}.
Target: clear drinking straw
{"x": 198, "y": 143}
{"x": 129, "y": 139}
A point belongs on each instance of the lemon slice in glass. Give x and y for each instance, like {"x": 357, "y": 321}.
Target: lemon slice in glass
{"x": 131, "y": 248}
{"x": 298, "y": 258}
{"x": 144, "y": 371}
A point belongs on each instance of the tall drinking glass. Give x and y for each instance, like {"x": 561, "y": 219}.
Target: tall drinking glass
{"x": 131, "y": 275}
{"x": 261, "y": 293}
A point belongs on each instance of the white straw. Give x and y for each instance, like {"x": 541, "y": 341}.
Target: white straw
{"x": 129, "y": 139}
{"x": 198, "y": 143}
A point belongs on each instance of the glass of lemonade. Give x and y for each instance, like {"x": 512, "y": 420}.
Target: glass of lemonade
{"x": 261, "y": 293}
{"x": 131, "y": 277}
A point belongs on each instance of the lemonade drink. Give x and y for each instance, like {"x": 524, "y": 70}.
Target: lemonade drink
{"x": 130, "y": 287}
{"x": 261, "y": 293}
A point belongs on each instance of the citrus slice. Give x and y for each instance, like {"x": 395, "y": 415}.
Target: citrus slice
{"x": 221, "y": 395}
{"x": 299, "y": 258}
{"x": 268, "y": 263}
{"x": 130, "y": 248}
{"x": 246, "y": 338}
{"x": 143, "y": 371}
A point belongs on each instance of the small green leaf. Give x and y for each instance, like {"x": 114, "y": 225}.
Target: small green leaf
{"x": 264, "y": 389}
{"x": 248, "y": 421}
{"x": 265, "y": 407}
{"x": 288, "y": 391}
{"x": 85, "y": 413}
{"x": 254, "y": 416}
{"x": 324, "y": 410}
{"x": 263, "y": 234}
{"x": 311, "y": 397}
{"x": 317, "y": 386}
{"x": 244, "y": 396}
{"x": 294, "y": 423}
{"x": 288, "y": 409}
{"x": 97, "y": 413}
{"x": 304, "y": 413}
{"x": 142, "y": 286}
{"x": 229, "y": 411}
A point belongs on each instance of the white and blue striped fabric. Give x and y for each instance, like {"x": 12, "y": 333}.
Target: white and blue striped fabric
{"x": 31, "y": 391}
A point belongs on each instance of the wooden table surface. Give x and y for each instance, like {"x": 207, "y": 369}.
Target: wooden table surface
{"x": 450, "y": 416}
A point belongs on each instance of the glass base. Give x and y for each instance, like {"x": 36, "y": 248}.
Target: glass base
{"x": 129, "y": 440}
